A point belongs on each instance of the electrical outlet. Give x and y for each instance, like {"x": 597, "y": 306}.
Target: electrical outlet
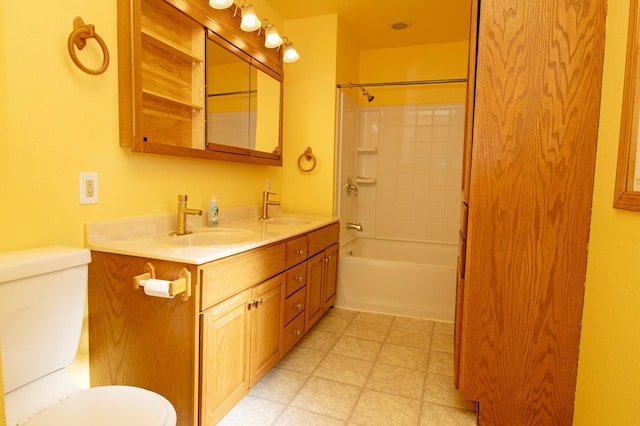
{"x": 88, "y": 188}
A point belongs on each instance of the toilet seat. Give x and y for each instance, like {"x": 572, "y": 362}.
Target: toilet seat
{"x": 108, "y": 406}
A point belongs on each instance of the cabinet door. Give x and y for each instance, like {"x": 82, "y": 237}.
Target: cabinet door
{"x": 314, "y": 305}
{"x": 331, "y": 276}
{"x": 225, "y": 356}
{"x": 267, "y": 317}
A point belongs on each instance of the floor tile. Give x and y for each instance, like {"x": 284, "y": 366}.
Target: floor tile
{"x": 442, "y": 342}
{"x": 293, "y": 416}
{"x": 344, "y": 369}
{"x": 377, "y": 408}
{"x": 441, "y": 363}
{"x": 375, "y": 318}
{"x": 440, "y": 389}
{"x": 279, "y": 385}
{"x": 344, "y": 313}
{"x": 327, "y": 397}
{"x": 397, "y": 381}
{"x": 357, "y": 348}
{"x": 320, "y": 340}
{"x": 253, "y": 411}
{"x": 414, "y": 323}
{"x": 407, "y": 337}
{"x": 332, "y": 324}
{"x": 444, "y": 327}
{"x": 403, "y": 356}
{"x": 302, "y": 360}
{"x": 438, "y": 415}
{"x": 367, "y": 330}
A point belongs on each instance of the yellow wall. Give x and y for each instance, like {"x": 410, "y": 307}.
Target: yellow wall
{"x": 426, "y": 62}
{"x": 608, "y": 386}
{"x": 58, "y": 121}
{"x": 309, "y": 118}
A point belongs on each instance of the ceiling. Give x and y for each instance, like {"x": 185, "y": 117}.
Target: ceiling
{"x": 431, "y": 21}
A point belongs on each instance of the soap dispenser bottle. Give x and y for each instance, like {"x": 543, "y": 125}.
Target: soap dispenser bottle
{"x": 212, "y": 218}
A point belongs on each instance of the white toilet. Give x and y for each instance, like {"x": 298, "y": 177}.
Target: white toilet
{"x": 42, "y": 300}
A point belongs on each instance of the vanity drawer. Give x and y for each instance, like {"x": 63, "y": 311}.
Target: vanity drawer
{"x": 293, "y": 332}
{"x": 323, "y": 238}
{"x": 223, "y": 278}
{"x": 296, "y": 251}
{"x": 294, "y": 305}
{"x": 296, "y": 279}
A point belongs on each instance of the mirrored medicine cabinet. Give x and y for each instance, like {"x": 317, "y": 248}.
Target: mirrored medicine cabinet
{"x": 191, "y": 83}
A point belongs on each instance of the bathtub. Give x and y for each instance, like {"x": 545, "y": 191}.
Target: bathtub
{"x": 398, "y": 278}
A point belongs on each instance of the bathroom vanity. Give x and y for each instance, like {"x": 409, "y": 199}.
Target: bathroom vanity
{"x": 254, "y": 294}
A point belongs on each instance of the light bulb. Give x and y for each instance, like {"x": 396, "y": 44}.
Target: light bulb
{"x": 250, "y": 21}
{"x": 290, "y": 54}
{"x": 271, "y": 37}
{"x": 220, "y": 4}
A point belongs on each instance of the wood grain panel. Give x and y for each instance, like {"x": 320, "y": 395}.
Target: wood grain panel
{"x": 537, "y": 98}
{"x": 323, "y": 238}
{"x": 131, "y": 333}
{"x": 226, "y": 277}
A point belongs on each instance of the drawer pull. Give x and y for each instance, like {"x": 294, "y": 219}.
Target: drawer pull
{"x": 300, "y": 252}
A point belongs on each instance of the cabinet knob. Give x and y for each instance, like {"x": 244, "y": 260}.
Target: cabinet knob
{"x": 298, "y": 306}
{"x": 300, "y": 252}
{"x": 299, "y": 279}
{"x": 250, "y": 304}
{"x": 296, "y": 332}
{"x": 258, "y": 302}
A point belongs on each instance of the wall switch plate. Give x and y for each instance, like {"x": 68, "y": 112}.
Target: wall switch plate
{"x": 88, "y": 188}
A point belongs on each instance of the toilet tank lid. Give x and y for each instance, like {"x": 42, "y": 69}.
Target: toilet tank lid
{"x": 19, "y": 264}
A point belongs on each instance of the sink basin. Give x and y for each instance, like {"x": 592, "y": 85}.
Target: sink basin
{"x": 212, "y": 237}
{"x": 287, "y": 220}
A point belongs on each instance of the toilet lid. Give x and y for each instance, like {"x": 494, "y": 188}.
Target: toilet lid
{"x": 109, "y": 406}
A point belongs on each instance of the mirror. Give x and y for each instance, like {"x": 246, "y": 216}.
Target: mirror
{"x": 243, "y": 103}
{"x": 627, "y": 187}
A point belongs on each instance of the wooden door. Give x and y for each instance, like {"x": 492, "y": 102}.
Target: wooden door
{"x": 314, "y": 304}
{"x": 225, "y": 357}
{"x": 266, "y": 327}
{"x": 331, "y": 276}
{"x": 537, "y": 99}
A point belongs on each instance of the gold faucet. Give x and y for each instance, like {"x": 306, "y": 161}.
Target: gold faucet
{"x": 266, "y": 203}
{"x": 183, "y": 211}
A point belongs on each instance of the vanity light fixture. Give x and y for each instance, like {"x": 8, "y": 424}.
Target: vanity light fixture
{"x": 271, "y": 37}
{"x": 250, "y": 21}
{"x": 220, "y": 4}
{"x": 289, "y": 54}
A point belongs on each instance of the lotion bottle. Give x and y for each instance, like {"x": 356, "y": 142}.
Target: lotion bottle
{"x": 212, "y": 218}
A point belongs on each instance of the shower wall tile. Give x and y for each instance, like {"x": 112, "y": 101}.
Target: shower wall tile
{"x": 419, "y": 169}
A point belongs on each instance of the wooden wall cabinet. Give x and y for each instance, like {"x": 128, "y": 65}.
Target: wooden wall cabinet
{"x": 535, "y": 76}
{"x": 162, "y": 73}
{"x": 204, "y": 354}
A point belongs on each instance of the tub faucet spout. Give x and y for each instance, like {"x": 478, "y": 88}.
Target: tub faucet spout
{"x": 183, "y": 211}
{"x": 354, "y": 226}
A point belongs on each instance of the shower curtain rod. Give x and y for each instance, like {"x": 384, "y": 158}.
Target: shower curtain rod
{"x": 403, "y": 83}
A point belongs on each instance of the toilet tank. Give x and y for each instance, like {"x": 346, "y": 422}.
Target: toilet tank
{"x": 42, "y": 300}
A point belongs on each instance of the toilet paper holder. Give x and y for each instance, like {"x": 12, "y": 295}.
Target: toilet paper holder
{"x": 180, "y": 286}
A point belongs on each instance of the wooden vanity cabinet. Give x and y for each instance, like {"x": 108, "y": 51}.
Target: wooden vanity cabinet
{"x": 530, "y": 150}
{"x": 204, "y": 354}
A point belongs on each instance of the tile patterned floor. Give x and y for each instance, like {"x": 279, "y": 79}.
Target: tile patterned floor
{"x": 358, "y": 368}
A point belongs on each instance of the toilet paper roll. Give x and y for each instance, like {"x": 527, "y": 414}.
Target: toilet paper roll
{"x": 157, "y": 288}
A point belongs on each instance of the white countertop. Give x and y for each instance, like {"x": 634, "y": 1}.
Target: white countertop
{"x": 238, "y": 230}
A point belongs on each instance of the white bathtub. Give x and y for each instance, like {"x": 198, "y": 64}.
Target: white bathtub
{"x": 398, "y": 278}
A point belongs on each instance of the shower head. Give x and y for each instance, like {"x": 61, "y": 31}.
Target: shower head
{"x": 365, "y": 92}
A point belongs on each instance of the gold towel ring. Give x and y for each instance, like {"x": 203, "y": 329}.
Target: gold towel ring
{"x": 308, "y": 155}
{"x": 78, "y": 38}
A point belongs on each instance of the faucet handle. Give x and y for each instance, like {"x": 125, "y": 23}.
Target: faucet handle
{"x": 182, "y": 198}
